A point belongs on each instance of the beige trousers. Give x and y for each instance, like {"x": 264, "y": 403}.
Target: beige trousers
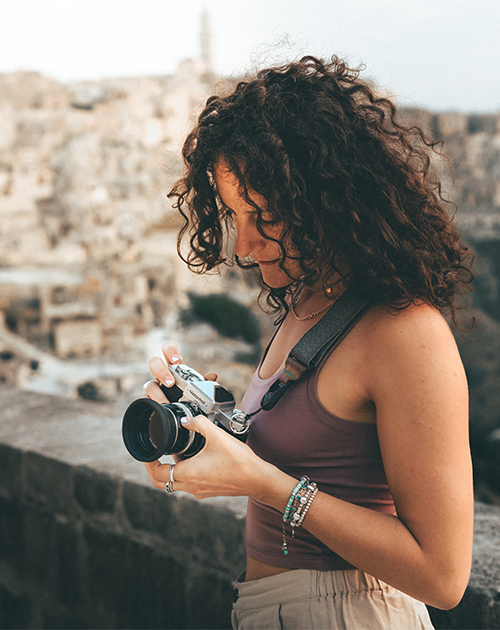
{"x": 325, "y": 600}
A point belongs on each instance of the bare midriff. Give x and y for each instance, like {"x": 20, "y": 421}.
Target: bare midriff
{"x": 256, "y": 570}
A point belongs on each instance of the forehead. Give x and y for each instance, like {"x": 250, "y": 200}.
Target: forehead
{"x": 224, "y": 178}
{"x": 231, "y": 191}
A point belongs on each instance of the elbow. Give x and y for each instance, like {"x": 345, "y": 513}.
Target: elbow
{"x": 447, "y": 603}
{"x": 446, "y": 580}
{"x": 447, "y": 594}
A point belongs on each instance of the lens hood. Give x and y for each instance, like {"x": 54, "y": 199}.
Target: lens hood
{"x": 149, "y": 430}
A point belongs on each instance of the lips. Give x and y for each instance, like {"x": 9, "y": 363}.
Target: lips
{"x": 267, "y": 263}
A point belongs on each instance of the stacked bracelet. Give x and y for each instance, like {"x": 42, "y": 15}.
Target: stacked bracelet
{"x": 298, "y": 504}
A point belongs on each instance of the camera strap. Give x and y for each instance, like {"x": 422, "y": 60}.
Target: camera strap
{"x": 308, "y": 352}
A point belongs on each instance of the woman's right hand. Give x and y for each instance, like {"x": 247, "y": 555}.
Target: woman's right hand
{"x": 160, "y": 372}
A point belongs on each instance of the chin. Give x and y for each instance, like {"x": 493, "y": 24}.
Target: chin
{"x": 277, "y": 282}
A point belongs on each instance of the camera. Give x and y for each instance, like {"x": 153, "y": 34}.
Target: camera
{"x": 151, "y": 429}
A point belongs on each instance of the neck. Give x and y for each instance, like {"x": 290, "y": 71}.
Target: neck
{"x": 309, "y": 302}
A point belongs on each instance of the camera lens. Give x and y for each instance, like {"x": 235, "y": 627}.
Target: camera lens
{"x": 151, "y": 429}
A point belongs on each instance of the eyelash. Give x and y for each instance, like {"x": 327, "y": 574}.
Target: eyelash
{"x": 269, "y": 223}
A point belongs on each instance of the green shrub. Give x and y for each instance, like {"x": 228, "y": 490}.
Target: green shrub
{"x": 227, "y": 316}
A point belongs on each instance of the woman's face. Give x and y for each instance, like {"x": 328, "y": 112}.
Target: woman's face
{"x": 250, "y": 242}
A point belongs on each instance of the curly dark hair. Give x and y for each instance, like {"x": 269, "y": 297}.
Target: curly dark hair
{"x": 352, "y": 185}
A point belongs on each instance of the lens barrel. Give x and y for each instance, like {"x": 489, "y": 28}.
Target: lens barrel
{"x": 151, "y": 429}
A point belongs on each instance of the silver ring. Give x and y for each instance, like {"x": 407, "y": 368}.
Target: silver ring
{"x": 172, "y": 473}
{"x": 169, "y": 487}
{"x": 145, "y": 386}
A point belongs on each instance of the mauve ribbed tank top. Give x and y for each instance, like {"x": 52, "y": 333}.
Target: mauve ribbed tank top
{"x": 301, "y": 437}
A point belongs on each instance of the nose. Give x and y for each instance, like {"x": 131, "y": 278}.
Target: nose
{"x": 248, "y": 239}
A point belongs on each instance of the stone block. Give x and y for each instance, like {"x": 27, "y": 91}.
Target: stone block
{"x": 143, "y": 588}
{"x": 10, "y": 472}
{"x": 67, "y": 566}
{"x": 149, "y": 510}
{"x": 11, "y": 532}
{"x": 49, "y": 483}
{"x": 78, "y": 338}
{"x": 490, "y": 123}
{"x": 449, "y": 124}
{"x": 156, "y": 590}
{"x": 209, "y": 602}
{"x": 57, "y": 618}
{"x": 14, "y": 609}
{"x": 95, "y": 492}
{"x": 38, "y": 544}
{"x": 7, "y": 126}
{"x": 213, "y": 534}
{"x": 19, "y": 223}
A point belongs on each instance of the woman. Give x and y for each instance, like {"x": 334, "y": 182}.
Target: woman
{"x": 310, "y": 176}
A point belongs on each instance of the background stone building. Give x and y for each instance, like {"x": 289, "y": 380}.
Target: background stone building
{"x": 90, "y": 281}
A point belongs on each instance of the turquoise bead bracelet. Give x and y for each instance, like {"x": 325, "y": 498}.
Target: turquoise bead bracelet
{"x": 298, "y": 504}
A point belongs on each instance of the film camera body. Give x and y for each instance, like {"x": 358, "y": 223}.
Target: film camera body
{"x": 151, "y": 429}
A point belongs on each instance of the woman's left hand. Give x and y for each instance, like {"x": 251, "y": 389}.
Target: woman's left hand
{"x": 224, "y": 467}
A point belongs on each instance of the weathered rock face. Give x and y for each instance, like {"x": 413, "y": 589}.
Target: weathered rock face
{"x": 84, "y": 172}
{"x": 88, "y": 261}
{"x": 472, "y": 143}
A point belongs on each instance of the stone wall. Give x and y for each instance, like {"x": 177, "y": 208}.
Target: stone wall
{"x": 86, "y": 542}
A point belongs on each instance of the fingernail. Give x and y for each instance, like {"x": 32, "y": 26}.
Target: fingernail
{"x": 185, "y": 420}
{"x": 169, "y": 383}
{"x": 176, "y": 358}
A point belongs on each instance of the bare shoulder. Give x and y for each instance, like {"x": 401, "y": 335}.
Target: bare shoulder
{"x": 410, "y": 350}
{"x": 417, "y": 319}
{"x": 387, "y": 357}
{"x": 417, "y": 330}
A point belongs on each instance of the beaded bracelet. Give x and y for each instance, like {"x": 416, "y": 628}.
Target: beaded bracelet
{"x": 303, "y": 506}
{"x": 297, "y": 507}
{"x": 306, "y": 507}
{"x": 293, "y": 497}
{"x": 299, "y": 501}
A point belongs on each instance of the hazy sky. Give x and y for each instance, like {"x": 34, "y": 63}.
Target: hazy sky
{"x": 439, "y": 54}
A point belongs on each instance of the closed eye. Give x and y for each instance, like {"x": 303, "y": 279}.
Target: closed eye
{"x": 270, "y": 222}
{"x": 265, "y": 222}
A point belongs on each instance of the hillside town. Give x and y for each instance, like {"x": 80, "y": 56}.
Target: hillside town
{"x": 89, "y": 273}
{"x": 88, "y": 259}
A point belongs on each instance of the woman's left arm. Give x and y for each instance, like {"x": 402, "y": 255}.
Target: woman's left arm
{"x": 415, "y": 377}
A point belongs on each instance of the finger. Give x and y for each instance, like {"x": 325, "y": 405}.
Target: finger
{"x": 155, "y": 473}
{"x": 160, "y": 371}
{"x": 200, "y": 424}
{"x": 171, "y": 353}
{"x": 160, "y": 474}
{"x": 154, "y": 392}
{"x": 211, "y": 376}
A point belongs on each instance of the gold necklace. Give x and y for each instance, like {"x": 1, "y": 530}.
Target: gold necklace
{"x": 314, "y": 313}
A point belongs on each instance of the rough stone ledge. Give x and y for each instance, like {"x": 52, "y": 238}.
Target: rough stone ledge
{"x": 86, "y": 542}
